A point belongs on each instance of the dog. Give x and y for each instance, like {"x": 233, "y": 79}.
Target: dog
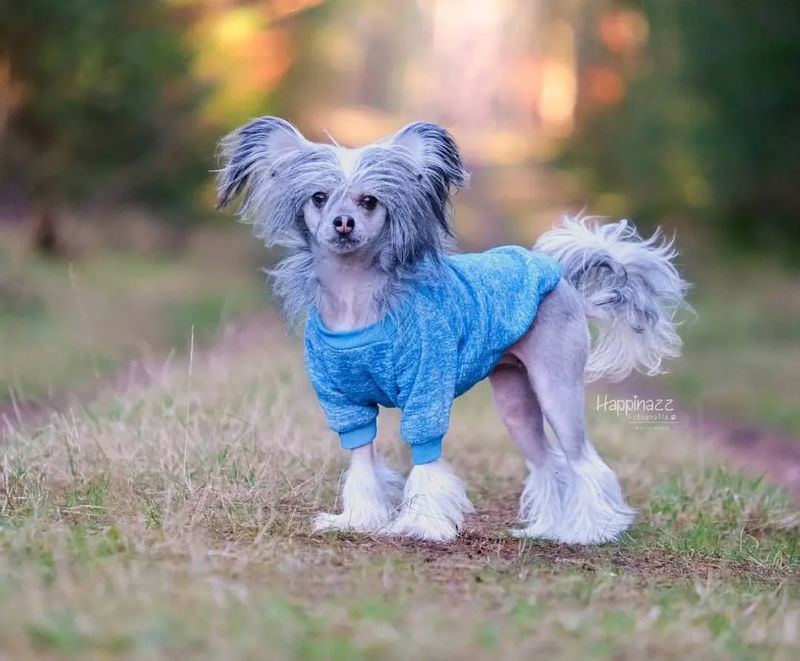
{"x": 395, "y": 318}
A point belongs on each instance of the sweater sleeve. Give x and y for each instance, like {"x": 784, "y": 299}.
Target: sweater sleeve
{"x": 427, "y": 371}
{"x": 354, "y": 422}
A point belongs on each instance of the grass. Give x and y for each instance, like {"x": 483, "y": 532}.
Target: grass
{"x": 68, "y": 321}
{"x": 172, "y": 521}
{"x": 742, "y": 354}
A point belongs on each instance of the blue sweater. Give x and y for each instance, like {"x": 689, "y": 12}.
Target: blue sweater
{"x": 447, "y": 334}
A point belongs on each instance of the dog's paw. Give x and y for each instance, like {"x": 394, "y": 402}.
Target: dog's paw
{"x": 348, "y": 522}
{"x": 435, "y": 504}
{"x": 534, "y": 531}
{"x": 327, "y": 522}
{"x": 416, "y": 525}
{"x": 595, "y": 511}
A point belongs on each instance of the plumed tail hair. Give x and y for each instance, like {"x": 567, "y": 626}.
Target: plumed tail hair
{"x": 631, "y": 290}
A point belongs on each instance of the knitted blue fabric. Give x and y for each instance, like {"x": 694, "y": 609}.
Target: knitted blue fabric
{"x": 447, "y": 334}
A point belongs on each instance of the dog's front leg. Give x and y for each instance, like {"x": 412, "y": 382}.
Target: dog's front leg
{"x": 434, "y": 505}
{"x": 370, "y": 495}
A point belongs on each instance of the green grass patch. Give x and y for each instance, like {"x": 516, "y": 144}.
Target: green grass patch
{"x": 741, "y": 354}
{"x": 67, "y": 322}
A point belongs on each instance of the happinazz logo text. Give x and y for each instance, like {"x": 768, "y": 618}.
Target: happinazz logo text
{"x": 628, "y": 405}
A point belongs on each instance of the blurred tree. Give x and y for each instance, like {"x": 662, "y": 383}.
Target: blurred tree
{"x": 102, "y": 106}
{"x": 743, "y": 60}
{"x": 707, "y": 119}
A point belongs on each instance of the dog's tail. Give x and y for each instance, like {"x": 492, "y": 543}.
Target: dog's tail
{"x": 631, "y": 290}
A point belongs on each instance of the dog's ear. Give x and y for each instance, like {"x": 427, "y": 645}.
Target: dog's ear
{"x": 436, "y": 153}
{"x": 254, "y": 151}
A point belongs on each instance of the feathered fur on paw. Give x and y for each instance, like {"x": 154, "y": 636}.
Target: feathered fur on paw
{"x": 541, "y": 503}
{"x": 434, "y": 506}
{"x": 366, "y": 522}
{"x": 595, "y": 510}
{"x": 370, "y": 496}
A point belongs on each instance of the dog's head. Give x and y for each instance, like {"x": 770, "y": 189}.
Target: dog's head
{"x": 391, "y": 197}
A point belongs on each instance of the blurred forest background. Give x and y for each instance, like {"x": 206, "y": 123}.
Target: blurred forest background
{"x": 681, "y": 114}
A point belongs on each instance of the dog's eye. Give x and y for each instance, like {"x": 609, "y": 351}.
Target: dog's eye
{"x": 319, "y": 199}
{"x": 369, "y": 202}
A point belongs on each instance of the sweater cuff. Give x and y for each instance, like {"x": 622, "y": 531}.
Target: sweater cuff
{"x": 425, "y": 453}
{"x": 359, "y": 436}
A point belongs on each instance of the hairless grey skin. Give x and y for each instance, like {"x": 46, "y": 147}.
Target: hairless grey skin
{"x": 359, "y": 225}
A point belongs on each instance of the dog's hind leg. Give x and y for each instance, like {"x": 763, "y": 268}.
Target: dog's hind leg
{"x": 554, "y": 352}
{"x": 540, "y": 506}
{"x": 370, "y": 495}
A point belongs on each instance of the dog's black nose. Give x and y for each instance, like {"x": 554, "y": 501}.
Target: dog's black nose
{"x": 344, "y": 224}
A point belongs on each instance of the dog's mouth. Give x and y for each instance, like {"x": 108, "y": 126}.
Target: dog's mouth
{"x": 344, "y": 242}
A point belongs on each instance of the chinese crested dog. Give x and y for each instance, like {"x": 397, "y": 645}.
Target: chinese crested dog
{"x": 393, "y": 318}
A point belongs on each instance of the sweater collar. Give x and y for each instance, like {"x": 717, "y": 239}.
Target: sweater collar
{"x": 350, "y": 339}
